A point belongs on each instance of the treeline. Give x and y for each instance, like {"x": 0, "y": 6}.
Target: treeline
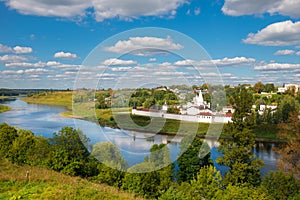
{"x": 17, "y": 92}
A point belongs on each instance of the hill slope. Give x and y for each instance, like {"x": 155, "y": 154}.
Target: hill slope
{"x": 47, "y": 184}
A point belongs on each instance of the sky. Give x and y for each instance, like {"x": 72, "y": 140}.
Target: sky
{"x": 133, "y": 43}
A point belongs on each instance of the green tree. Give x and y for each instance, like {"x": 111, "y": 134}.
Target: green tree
{"x": 191, "y": 159}
{"x": 237, "y": 154}
{"x": 280, "y": 186}
{"x": 142, "y": 183}
{"x": 149, "y": 102}
{"x": 258, "y": 87}
{"x": 269, "y": 87}
{"x": 7, "y": 136}
{"x": 207, "y": 183}
{"x": 287, "y": 105}
{"x": 234, "y": 192}
{"x": 69, "y": 154}
{"x": 289, "y": 161}
{"x": 112, "y": 167}
{"x": 22, "y": 147}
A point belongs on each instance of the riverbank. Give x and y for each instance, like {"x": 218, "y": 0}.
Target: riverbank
{"x": 4, "y": 108}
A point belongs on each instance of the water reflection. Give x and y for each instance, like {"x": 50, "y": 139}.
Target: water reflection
{"x": 134, "y": 146}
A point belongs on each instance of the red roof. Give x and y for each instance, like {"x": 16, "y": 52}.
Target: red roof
{"x": 229, "y": 114}
{"x": 205, "y": 114}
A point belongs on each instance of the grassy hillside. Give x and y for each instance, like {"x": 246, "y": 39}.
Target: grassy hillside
{"x": 4, "y": 108}
{"x": 51, "y": 98}
{"x": 46, "y": 184}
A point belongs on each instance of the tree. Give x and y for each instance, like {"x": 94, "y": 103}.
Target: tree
{"x": 112, "y": 167}
{"x": 7, "y": 136}
{"x": 69, "y": 154}
{"x": 191, "y": 159}
{"x": 258, "y": 87}
{"x": 280, "y": 186}
{"x": 237, "y": 151}
{"x": 206, "y": 184}
{"x": 234, "y": 192}
{"x": 287, "y": 105}
{"x": 149, "y": 102}
{"x": 142, "y": 183}
{"x": 152, "y": 177}
{"x": 269, "y": 87}
{"x": 22, "y": 147}
{"x": 289, "y": 161}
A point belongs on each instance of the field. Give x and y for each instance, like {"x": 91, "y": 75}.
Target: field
{"x": 46, "y": 184}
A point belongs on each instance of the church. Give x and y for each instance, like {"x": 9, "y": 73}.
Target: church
{"x": 197, "y": 107}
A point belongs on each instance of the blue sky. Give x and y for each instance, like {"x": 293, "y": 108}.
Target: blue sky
{"x": 43, "y": 44}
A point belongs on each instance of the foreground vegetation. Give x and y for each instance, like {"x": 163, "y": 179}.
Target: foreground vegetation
{"x": 4, "y": 108}
{"x": 48, "y": 184}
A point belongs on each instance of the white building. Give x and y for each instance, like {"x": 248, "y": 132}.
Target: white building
{"x": 288, "y": 86}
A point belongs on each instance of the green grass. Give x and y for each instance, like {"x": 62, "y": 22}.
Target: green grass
{"x": 51, "y": 98}
{"x": 46, "y": 184}
{"x": 4, "y": 108}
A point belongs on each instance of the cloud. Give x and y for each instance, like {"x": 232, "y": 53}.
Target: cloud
{"x": 22, "y": 50}
{"x": 130, "y": 9}
{"x": 298, "y": 53}
{"x": 278, "y": 34}
{"x": 62, "y": 8}
{"x": 5, "y": 49}
{"x": 65, "y": 55}
{"x": 12, "y": 72}
{"x": 236, "y": 61}
{"x": 121, "y": 69}
{"x": 12, "y": 58}
{"x": 284, "y": 52}
{"x": 245, "y": 7}
{"x": 197, "y": 11}
{"x": 38, "y": 71}
{"x": 58, "y": 65}
{"x": 152, "y": 60}
{"x": 102, "y": 9}
{"x": 25, "y": 64}
{"x": 115, "y": 61}
{"x": 144, "y": 46}
{"x": 277, "y": 66}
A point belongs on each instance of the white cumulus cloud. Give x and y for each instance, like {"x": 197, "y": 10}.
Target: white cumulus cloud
{"x": 65, "y": 55}
{"x": 253, "y": 7}
{"x": 22, "y": 50}
{"x": 277, "y": 66}
{"x": 277, "y": 34}
{"x": 25, "y": 64}
{"x": 102, "y": 9}
{"x": 128, "y": 9}
{"x": 115, "y": 61}
{"x": 284, "y": 52}
{"x": 236, "y": 61}
{"x": 5, "y": 49}
{"x": 12, "y": 58}
{"x": 144, "y": 46}
{"x": 56, "y": 8}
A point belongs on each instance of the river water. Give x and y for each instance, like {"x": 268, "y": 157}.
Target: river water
{"x": 45, "y": 120}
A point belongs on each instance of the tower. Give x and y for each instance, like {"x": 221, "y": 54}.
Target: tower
{"x": 199, "y": 99}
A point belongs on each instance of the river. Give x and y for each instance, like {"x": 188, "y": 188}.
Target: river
{"x": 45, "y": 120}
